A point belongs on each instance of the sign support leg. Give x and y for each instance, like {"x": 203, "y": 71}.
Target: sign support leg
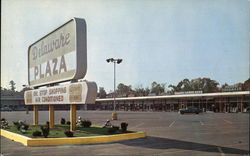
{"x": 35, "y": 115}
{"x": 51, "y": 116}
{"x": 72, "y": 117}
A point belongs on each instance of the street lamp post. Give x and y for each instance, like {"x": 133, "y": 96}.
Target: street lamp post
{"x": 118, "y": 61}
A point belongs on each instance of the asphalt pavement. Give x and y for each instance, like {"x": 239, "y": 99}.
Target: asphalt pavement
{"x": 168, "y": 133}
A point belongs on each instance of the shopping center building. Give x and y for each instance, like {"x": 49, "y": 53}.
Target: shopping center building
{"x": 219, "y": 102}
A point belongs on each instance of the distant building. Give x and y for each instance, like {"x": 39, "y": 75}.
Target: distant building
{"x": 12, "y": 102}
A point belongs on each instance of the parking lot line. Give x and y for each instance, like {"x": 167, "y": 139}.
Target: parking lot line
{"x": 171, "y": 124}
{"x": 200, "y": 149}
{"x": 228, "y": 121}
{"x": 196, "y": 149}
{"x": 138, "y": 125}
{"x": 209, "y": 117}
{"x": 172, "y": 152}
{"x": 202, "y": 123}
{"x": 221, "y": 152}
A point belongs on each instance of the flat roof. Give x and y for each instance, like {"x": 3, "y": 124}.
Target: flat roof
{"x": 179, "y": 96}
{"x": 159, "y": 97}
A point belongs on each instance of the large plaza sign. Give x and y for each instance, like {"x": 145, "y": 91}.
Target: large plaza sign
{"x": 59, "y": 56}
{"x": 74, "y": 93}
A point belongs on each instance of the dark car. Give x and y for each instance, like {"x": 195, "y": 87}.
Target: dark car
{"x": 190, "y": 110}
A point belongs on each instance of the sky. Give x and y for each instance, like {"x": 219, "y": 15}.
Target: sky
{"x": 159, "y": 40}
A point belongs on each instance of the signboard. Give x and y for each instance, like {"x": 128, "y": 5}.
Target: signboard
{"x": 232, "y": 88}
{"x": 59, "y": 56}
{"x": 188, "y": 92}
{"x": 74, "y": 93}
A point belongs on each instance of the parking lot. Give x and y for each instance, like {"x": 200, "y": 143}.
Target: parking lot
{"x": 168, "y": 133}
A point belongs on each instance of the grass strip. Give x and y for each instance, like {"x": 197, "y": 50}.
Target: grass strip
{"x": 58, "y": 131}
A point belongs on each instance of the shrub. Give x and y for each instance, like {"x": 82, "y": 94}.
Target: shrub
{"x": 37, "y": 133}
{"x": 116, "y": 128}
{"x": 24, "y": 126}
{"x": 4, "y": 123}
{"x": 63, "y": 121}
{"x": 17, "y": 125}
{"x": 21, "y": 126}
{"x": 45, "y": 131}
{"x": 86, "y": 123}
{"x": 69, "y": 133}
{"x": 124, "y": 126}
{"x": 68, "y": 122}
{"x": 111, "y": 130}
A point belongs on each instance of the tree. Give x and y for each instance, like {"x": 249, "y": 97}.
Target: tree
{"x": 183, "y": 85}
{"x": 140, "y": 91}
{"x": 196, "y": 84}
{"x": 102, "y": 93}
{"x": 200, "y": 84}
{"x": 246, "y": 85}
{"x": 186, "y": 85}
{"x": 209, "y": 85}
{"x": 7, "y": 92}
{"x": 173, "y": 88}
{"x": 176, "y": 88}
{"x": 224, "y": 86}
{"x": 157, "y": 88}
{"x": 12, "y": 85}
{"x": 123, "y": 90}
{"x": 24, "y": 89}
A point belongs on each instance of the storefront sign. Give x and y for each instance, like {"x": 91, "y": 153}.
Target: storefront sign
{"x": 74, "y": 93}
{"x": 59, "y": 56}
{"x": 188, "y": 92}
{"x": 232, "y": 88}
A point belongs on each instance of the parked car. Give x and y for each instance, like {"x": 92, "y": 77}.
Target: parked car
{"x": 6, "y": 109}
{"x": 190, "y": 110}
{"x": 20, "y": 109}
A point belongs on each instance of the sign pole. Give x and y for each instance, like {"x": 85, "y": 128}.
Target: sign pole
{"x": 35, "y": 115}
{"x": 27, "y": 110}
{"x": 72, "y": 117}
{"x": 51, "y": 116}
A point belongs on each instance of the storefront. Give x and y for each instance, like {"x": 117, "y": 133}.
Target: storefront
{"x": 217, "y": 102}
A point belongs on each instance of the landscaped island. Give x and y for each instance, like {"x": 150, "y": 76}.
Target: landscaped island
{"x": 59, "y": 131}
{"x": 83, "y": 129}
{"x": 42, "y": 135}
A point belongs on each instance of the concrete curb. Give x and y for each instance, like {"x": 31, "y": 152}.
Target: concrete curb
{"x": 70, "y": 141}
